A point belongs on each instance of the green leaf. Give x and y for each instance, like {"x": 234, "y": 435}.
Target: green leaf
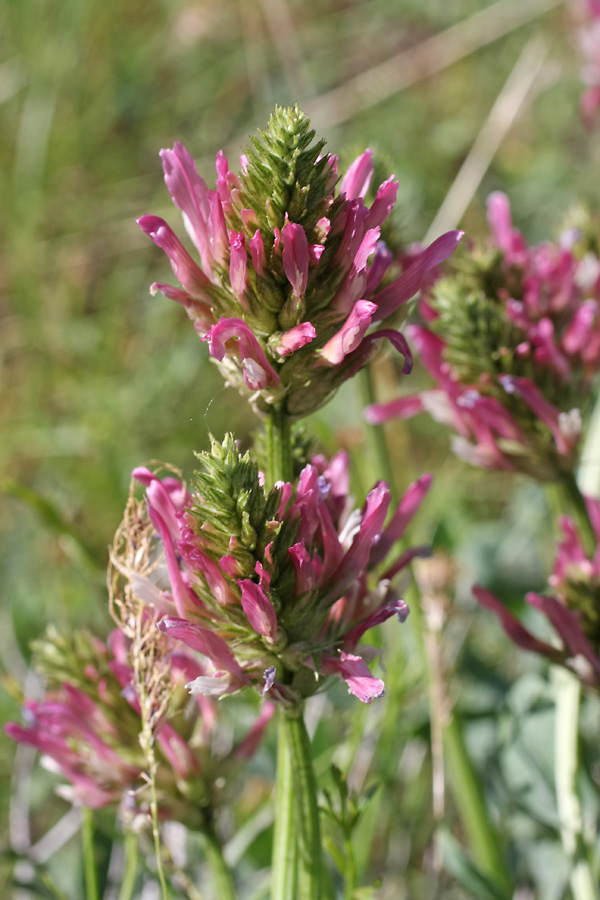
{"x": 466, "y": 873}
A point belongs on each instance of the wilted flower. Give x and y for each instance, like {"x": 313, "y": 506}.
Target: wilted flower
{"x": 274, "y": 588}
{"x": 513, "y": 341}
{"x": 89, "y": 722}
{"x": 290, "y": 278}
{"x": 573, "y": 608}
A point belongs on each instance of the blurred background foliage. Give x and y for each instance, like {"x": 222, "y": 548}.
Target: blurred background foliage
{"x": 97, "y": 376}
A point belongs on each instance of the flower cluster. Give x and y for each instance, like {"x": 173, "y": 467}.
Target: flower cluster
{"x": 513, "y": 341}
{"x": 291, "y": 272}
{"x": 89, "y": 721}
{"x": 274, "y": 588}
{"x": 573, "y": 608}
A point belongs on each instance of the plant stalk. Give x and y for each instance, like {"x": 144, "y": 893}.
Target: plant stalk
{"x": 90, "y": 872}
{"x": 304, "y": 800}
{"x": 297, "y": 854}
{"x": 567, "y": 495}
{"x": 284, "y": 866}
{"x": 131, "y": 865}
{"x": 222, "y": 878}
{"x": 566, "y": 762}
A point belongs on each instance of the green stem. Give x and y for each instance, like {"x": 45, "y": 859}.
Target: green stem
{"x": 155, "y": 826}
{"x": 466, "y": 787}
{"x": 90, "y": 872}
{"x": 350, "y": 872}
{"x": 304, "y": 799}
{"x": 131, "y": 865}
{"x": 566, "y": 495}
{"x": 224, "y": 887}
{"x": 568, "y": 696}
{"x": 468, "y": 795}
{"x": 297, "y": 867}
{"x": 279, "y": 447}
{"x": 284, "y": 867}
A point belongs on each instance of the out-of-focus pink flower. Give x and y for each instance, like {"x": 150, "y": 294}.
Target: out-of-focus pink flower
{"x": 571, "y": 608}
{"x": 589, "y": 45}
{"x": 90, "y": 731}
{"x": 512, "y": 342}
{"x": 300, "y": 591}
{"x": 300, "y": 268}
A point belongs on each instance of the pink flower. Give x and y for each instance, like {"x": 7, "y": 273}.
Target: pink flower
{"x": 299, "y": 268}
{"x": 90, "y": 732}
{"x": 512, "y": 343}
{"x": 571, "y": 609}
{"x": 296, "y": 610}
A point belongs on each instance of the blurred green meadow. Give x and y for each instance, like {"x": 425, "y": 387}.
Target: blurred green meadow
{"x": 98, "y": 376}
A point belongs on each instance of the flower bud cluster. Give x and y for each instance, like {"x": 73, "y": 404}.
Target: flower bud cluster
{"x": 89, "y": 722}
{"x": 572, "y": 609}
{"x": 273, "y": 588}
{"x": 513, "y": 341}
{"x": 291, "y": 272}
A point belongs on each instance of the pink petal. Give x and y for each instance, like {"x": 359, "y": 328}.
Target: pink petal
{"x": 350, "y": 334}
{"x": 406, "y": 509}
{"x": 295, "y": 257}
{"x": 511, "y": 625}
{"x": 394, "y": 607}
{"x": 205, "y": 642}
{"x": 189, "y": 192}
{"x": 401, "y": 408}
{"x": 356, "y": 673}
{"x": 258, "y": 372}
{"x": 186, "y": 271}
{"x": 406, "y": 286}
{"x": 258, "y": 608}
{"x": 292, "y": 340}
{"x": 357, "y": 179}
